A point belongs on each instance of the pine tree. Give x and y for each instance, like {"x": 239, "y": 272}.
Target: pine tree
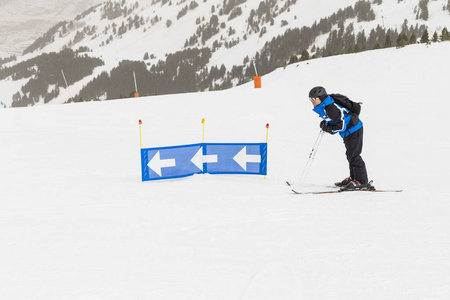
{"x": 305, "y": 55}
{"x": 445, "y": 35}
{"x": 435, "y": 38}
{"x": 293, "y": 60}
{"x": 402, "y": 40}
{"x": 413, "y": 39}
{"x": 350, "y": 49}
{"x": 361, "y": 38}
{"x": 423, "y": 14}
{"x": 425, "y": 38}
{"x": 387, "y": 42}
{"x": 402, "y": 43}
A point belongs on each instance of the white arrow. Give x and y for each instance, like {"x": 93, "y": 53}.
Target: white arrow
{"x": 156, "y": 164}
{"x": 242, "y": 158}
{"x": 199, "y": 159}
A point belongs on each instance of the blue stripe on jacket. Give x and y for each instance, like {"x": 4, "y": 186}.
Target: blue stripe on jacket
{"x": 345, "y": 131}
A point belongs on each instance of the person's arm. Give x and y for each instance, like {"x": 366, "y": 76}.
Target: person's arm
{"x": 337, "y": 117}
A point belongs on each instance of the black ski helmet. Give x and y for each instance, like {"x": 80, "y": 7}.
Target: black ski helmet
{"x": 318, "y": 91}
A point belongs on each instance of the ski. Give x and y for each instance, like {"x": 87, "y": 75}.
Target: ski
{"x": 340, "y": 191}
{"x": 369, "y": 188}
{"x": 288, "y": 183}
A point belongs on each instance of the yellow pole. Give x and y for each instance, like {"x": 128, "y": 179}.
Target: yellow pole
{"x": 203, "y": 122}
{"x": 140, "y": 132}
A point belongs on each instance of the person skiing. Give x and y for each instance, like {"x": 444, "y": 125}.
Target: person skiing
{"x": 337, "y": 119}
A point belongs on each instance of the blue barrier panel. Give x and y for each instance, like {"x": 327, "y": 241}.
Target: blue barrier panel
{"x": 237, "y": 159}
{"x": 181, "y": 161}
{"x": 169, "y": 162}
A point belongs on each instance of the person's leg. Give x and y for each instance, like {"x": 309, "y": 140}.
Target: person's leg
{"x": 353, "y": 144}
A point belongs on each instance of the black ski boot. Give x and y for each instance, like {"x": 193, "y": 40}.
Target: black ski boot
{"x": 355, "y": 185}
{"x": 344, "y": 182}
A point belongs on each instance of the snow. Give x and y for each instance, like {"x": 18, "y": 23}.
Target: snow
{"x": 76, "y": 222}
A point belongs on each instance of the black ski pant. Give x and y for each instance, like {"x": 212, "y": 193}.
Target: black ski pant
{"x": 353, "y": 144}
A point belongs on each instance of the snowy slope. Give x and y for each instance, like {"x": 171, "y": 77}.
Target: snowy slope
{"x": 76, "y": 222}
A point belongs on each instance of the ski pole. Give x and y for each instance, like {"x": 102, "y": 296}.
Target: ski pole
{"x": 311, "y": 157}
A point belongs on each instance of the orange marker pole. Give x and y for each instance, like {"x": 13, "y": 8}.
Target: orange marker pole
{"x": 203, "y": 122}
{"x": 140, "y": 132}
{"x": 267, "y": 139}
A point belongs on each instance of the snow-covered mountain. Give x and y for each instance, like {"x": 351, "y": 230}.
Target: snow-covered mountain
{"x": 128, "y": 29}
{"x": 225, "y": 35}
{"x": 21, "y": 22}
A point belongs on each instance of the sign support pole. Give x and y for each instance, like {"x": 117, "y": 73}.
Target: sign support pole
{"x": 140, "y": 132}
{"x": 267, "y": 139}
{"x": 203, "y": 138}
{"x": 136, "y": 94}
{"x": 254, "y": 65}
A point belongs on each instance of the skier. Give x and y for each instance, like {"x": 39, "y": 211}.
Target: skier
{"x": 337, "y": 119}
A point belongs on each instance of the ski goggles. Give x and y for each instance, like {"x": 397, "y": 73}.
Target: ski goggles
{"x": 312, "y": 99}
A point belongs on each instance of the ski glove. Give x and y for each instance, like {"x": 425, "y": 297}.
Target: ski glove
{"x": 324, "y": 127}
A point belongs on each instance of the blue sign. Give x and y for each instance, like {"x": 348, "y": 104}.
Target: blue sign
{"x": 182, "y": 161}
